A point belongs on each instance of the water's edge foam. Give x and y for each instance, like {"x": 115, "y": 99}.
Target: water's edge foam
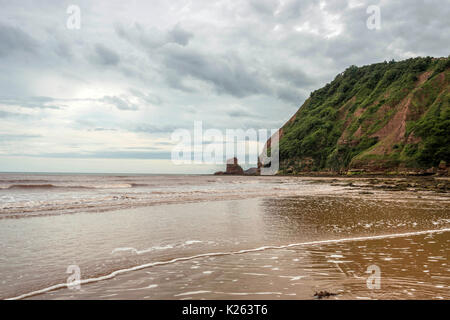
{"x": 215, "y": 254}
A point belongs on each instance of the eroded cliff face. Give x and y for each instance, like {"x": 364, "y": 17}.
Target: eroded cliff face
{"x": 379, "y": 118}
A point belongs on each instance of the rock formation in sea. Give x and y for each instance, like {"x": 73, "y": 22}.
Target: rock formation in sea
{"x": 252, "y": 172}
{"x": 233, "y": 168}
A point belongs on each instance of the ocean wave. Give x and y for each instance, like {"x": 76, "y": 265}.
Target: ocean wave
{"x": 136, "y": 185}
{"x": 41, "y": 186}
{"x": 31, "y": 186}
{"x": 154, "y": 248}
{"x": 53, "y": 186}
{"x": 25, "y": 181}
{"x": 139, "y": 252}
{"x": 217, "y": 254}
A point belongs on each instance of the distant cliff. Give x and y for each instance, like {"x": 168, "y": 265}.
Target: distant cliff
{"x": 391, "y": 116}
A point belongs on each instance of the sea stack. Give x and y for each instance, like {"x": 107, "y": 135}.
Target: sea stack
{"x": 233, "y": 168}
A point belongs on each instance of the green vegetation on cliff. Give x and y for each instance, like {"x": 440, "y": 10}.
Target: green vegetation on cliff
{"x": 377, "y": 117}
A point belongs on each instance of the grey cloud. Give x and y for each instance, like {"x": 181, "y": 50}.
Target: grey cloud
{"x": 179, "y": 35}
{"x": 293, "y": 10}
{"x": 164, "y": 143}
{"x": 147, "y": 97}
{"x": 126, "y": 155}
{"x": 9, "y": 137}
{"x": 228, "y": 74}
{"x": 104, "y": 129}
{"x": 407, "y": 29}
{"x": 191, "y": 62}
{"x": 119, "y": 103}
{"x": 7, "y": 114}
{"x": 289, "y": 95}
{"x": 104, "y": 56}
{"x": 242, "y": 112}
{"x": 104, "y": 155}
{"x": 14, "y": 39}
{"x": 153, "y": 38}
{"x": 239, "y": 114}
{"x": 296, "y": 77}
{"x": 423, "y": 26}
{"x": 30, "y": 102}
{"x": 150, "y": 128}
{"x": 138, "y": 36}
{"x": 265, "y": 7}
{"x": 63, "y": 50}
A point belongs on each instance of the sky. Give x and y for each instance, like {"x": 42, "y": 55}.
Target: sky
{"x": 107, "y": 94}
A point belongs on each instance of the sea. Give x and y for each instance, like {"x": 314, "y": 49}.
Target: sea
{"x": 121, "y": 236}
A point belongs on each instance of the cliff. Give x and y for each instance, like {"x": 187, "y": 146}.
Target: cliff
{"x": 390, "y": 116}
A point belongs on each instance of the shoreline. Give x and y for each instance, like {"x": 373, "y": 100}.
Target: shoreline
{"x": 219, "y": 254}
{"x": 436, "y": 186}
{"x": 278, "y": 213}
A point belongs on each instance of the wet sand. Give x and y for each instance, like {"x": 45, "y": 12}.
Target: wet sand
{"x": 292, "y": 238}
{"x": 411, "y": 267}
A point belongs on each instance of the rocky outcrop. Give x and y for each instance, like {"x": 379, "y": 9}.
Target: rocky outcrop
{"x": 252, "y": 172}
{"x": 233, "y": 168}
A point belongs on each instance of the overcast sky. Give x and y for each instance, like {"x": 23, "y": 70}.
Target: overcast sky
{"x": 106, "y": 97}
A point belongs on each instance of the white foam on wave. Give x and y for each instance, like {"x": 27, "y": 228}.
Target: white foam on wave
{"x": 212, "y": 254}
{"x": 189, "y": 242}
{"x": 166, "y": 247}
{"x": 138, "y": 252}
{"x": 249, "y": 293}
{"x": 190, "y": 293}
{"x": 293, "y": 278}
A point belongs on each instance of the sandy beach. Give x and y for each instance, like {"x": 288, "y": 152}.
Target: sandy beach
{"x": 208, "y": 237}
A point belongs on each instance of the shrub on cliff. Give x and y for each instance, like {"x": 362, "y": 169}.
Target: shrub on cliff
{"x": 347, "y": 121}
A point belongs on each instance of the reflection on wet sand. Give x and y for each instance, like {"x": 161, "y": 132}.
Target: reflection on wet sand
{"x": 413, "y": 267}
{"x": 316, "y": 237}
{"x": 322, "y": 217}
